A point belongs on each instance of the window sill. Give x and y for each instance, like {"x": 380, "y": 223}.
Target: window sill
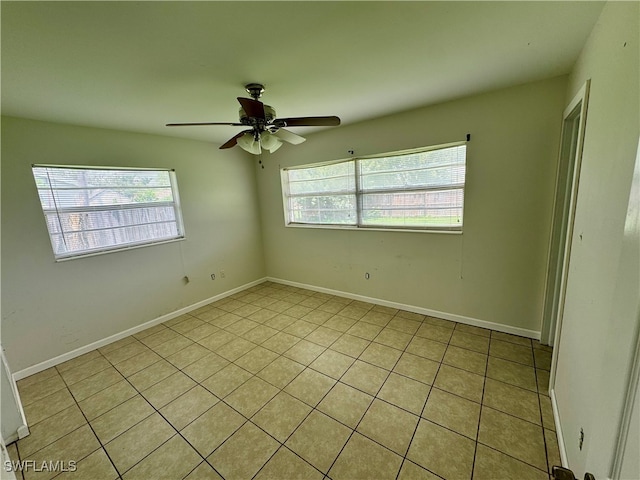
{"x": 118, "y": 249}
{"x": 374, "y": 229}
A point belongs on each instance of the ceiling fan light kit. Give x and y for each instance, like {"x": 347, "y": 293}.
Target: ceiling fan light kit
{"x": 266, "y": 131}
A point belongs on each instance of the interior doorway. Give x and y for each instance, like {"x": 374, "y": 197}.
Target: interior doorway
{"x": 567, "y": 179}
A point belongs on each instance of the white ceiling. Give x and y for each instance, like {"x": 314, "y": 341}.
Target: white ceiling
{"x": 138, "y": 65}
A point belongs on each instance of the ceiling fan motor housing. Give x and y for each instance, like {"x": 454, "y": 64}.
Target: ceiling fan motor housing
{"x": 269, "y": 116}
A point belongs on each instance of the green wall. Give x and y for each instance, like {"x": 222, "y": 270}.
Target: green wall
{"x": 494, "y": 272}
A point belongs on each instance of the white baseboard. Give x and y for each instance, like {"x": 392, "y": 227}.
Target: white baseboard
{"x": 138, "y": 328}
{"x": 556, "y": 420}
{"x": 423, "y": 311}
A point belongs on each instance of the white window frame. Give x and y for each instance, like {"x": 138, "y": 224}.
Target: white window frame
{"x": 57, "y": 211}
{"x": 359, "y": 192}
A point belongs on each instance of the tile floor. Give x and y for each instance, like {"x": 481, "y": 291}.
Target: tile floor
{"x": 277, "y": 382}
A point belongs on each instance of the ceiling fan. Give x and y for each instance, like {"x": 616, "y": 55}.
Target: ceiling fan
{"x": 264, "y": 129}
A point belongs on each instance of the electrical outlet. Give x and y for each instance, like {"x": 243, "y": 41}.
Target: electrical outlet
{"x": 213, "y": 276}
{"x": 367, "y": 276}
{"x": 581, "y": 441}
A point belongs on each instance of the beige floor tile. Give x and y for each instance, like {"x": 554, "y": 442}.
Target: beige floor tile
{"x": 188, "y": 406}
{"x": 332, "y": 363}
{"x": 204, "y": 471}
{"x": 439, "y": 322}
{"x": 389, "y": 426}
{"x": 442, "y": 451}
{"x": 310, "y": 386}
{"x": 542, "y": 359}
{"x": 209, "y": 430}
{"x": 393, "y": 338}
{"x": 377, "y": 317}
{"x": 318, "y": 440}
{"x": 340, "y": 324}
{"x": 411, "y": 471}
{"x": 365, "y": 377}
{"x": 225, "y": 320}
{"x": 241, "y": 326}
{"x": 74, "y": 375}
{"x": 297, "y": 311}
{"x": 281, "y": 416}
{"x": 151, "y": 375}
{"x": 477, "y": 343}
{"x": 300, "y": 328}
{"x": 50, "y": 430}
{"x": 106, "y": 399}
{"x": 405, "y": 393}
{"x": 287, "y": 465}
{"x": 280, "y": 342}
{"x": 345, "y": 404}
{"x": 281, "y": 371}
{"x": 353, "y": 311}
{"x": 89, "y": 386}
{"x": 304, "y": 352}
{"x": 553, "y": 451}
{"x": 47, "y": 406}
{"x": 79, "y": 360}
{"x": 159, "y": 337}
{"x": 226, "y": 380}
{"x": 416, "y": 317}
{"x": 381, "y": 355}
{"x": 38, "y": 377}
{"x": 388, "y": 310}
{"x": 513, "y": 436}
{"x": 317, "y": 317}
{"x": 350, "y": 345}
{"x": 174, "y": 459}
{"x": 406, "y": 324}
{"x": 365, "y": 459}
{"x": 512, "y": 373}
{"x": 332, "y": 306}
{"x": 418, "y": 368}
{"x": 323, "y": 336}
{"x": 542, "y": 380}
{"x": 188, "y": 355}
{"x": 136, "y": 443}
{"x": 489, "y": 462}
{"x": 74, "y": 446}
{"x": 112, "y": 423}
{"x": 216, "y": 340}
{"x": 473, "y": 329}
{"x": 137, "y": 363}
{"x": 259, "y": 334}
{"x": 506, "y": 337}
{"x": 244, "y": 453}
{"x": 172, "y": 346}
{"x": 424, "y": 347}
{"x": 97, "y": 465}
{"x": 434, "y": 332}
{"x": 205, "y": 367}
{"x": 31, "y": 392}
{"x": 201, "y": 332}
{"x": 465, "y": 359}
{"x": 513, "y": 400}
{"x": 251, "y": 396}
{"x": 177, "y": 320}
{"x": 453, "y": 412}
{"x": 547, "y": 412}
{"x": 256, "y": 359}
{"x": 168, "y": 389}
{"x": 367, "y": 331}
{"x": 142, "y": 334}
{"x": 280, "y": 321}
{"x": 312, "y": 302}
{"x": 512, "y": 352}
{"x": 246, "y": 310}
{"x": 123, "y": 353}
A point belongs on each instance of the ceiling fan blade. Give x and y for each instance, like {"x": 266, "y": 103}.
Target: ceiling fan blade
{"x": 232, "y": 142}
{"x": 289, "y": 137}
{"x": 308, "y": 122}
{"x": 203, "y": 123}
{"x": 253, "y": 108}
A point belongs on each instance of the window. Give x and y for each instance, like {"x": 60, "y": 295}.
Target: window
{"x": 90, "y": 210}
{"x": 417, "y": 189}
